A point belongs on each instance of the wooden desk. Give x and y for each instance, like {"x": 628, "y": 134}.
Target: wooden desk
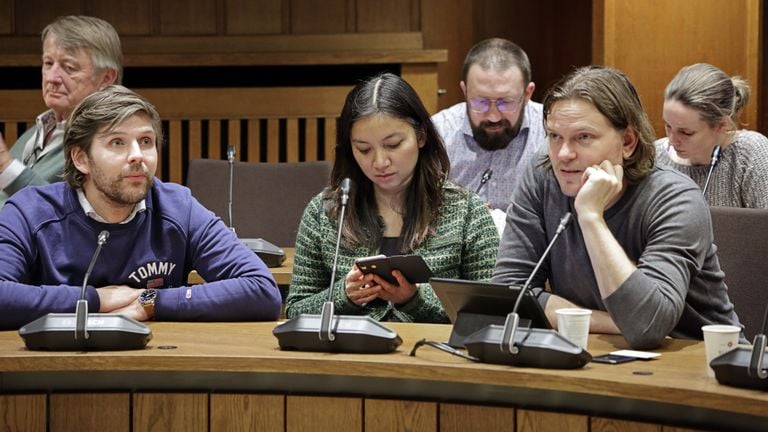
{"x": 281, "y": 274}
{"x": 232, "y": 376}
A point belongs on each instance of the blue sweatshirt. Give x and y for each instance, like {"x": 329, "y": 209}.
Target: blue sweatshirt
{"x": 47, "y": 241}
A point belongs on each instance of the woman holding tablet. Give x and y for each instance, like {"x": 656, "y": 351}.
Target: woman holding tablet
{"x": 401, "y": 204}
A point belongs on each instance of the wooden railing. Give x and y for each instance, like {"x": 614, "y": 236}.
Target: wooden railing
{"x": 265, "y": 124}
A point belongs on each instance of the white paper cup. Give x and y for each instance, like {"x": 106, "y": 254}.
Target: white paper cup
{"x": 573, "y": 324}
{"x": 718, "y": 340}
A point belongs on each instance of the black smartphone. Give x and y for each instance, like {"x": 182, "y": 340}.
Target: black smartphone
{"x": 413, "y": 267}
{"x": 612, "y": 359}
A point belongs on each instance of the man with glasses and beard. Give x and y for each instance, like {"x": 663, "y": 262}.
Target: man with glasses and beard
{"x": 493, "y": 134}
{"x": 157, "y": 231}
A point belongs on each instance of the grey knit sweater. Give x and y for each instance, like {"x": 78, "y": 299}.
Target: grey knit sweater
{"x": 740, "y": 178}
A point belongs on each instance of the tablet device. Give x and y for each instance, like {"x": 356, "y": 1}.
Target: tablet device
{"x": 473, "y": 305}
{"x": 413, "y": 267}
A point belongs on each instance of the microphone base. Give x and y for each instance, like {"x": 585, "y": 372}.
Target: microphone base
{"x": 468, "y": 323}
{"x": 353, "y": 334}
{"x": 731, "y": 369}
{"x": 107, "y": 332}
{"x": 272, "y": 255}
{"x": 538, "y": 348}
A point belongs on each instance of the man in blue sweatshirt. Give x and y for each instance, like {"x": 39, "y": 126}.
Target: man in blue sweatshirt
{"x": 158, "y": 232}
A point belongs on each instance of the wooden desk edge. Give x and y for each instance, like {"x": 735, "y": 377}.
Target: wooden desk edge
{"x": 245, "y": 357}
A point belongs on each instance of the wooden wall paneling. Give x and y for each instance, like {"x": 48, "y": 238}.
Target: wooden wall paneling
{"x": 315, "y": 413}
{"x": 218, "y": 49}
{"x": 129, "y": 18}
{"x": 214, "y": 139}
{"x": 423, "y": 78}
{"x": 292, "y": 140}
{"x": 273, "y": 140}
{"x": 475, "y": 418}
{"x": 194, "y": 143}
{"x": 236, "y": 102}
{"x": 175, "y": 168}
{"x": 6, "y": 17}
{"x": 318, "y": 16}
{"x": 233, "y": 137}
{"x": 10, "y": 134}
{"x": 247, "y": 413}
{"x": 752, "y": 115}
{"x": 665, "y": 49}
{"x": 415, "y": 15}
{"x": 23, "y": 413}
{"x": 603, "y": 22}
{"x": 170, "y": 412}
{"x": 601, "y": 424}
{"x": 436, "y": 17}
{"x": 310, "y": 139}
{"x": 254, "y": 140}
{"x": 555, "y": 35}
{"x": 84, "y": 412}
{"x": 329, "y": 139}
{"x": 400, "y": 416}
{"x": 396, "y": 17}
{"x": 254, "y": 17}
{"x": 351, "y": 20}
{"x": 542, "y": 421}
{"x": 21, "y": 105}
{"x": 762, "y": 94}
{"x": 188, "y": 17}
{"x": 31, "y": 16}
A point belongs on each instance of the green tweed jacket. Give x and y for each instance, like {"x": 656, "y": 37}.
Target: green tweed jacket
{"x": 464, "y": 247}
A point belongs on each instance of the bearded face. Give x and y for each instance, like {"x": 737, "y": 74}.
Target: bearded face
{"x": 494, "y": 135}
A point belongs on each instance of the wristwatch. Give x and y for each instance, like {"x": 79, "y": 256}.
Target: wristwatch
{"x": 147, "y": 301}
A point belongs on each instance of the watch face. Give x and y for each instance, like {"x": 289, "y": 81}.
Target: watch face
{"x": 148, "y": 296}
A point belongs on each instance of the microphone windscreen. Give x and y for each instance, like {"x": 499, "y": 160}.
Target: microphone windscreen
{"x": 231, "y": 153}
{"x": 716, "y": 154}
{"x": 346, "y": 185}
{"x": 103, "y": 236}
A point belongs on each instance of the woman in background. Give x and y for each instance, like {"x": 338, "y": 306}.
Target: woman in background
{"x": 402, "y": 203}
{"x": 701, "y": 109}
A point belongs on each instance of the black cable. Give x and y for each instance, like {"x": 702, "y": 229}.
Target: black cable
{"x": 442, "y": 347}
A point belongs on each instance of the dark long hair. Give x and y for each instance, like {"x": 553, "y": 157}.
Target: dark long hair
{"x": 390, "y": 95}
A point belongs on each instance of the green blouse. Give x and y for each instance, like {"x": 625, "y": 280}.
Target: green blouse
{"x": 464, "y": 246}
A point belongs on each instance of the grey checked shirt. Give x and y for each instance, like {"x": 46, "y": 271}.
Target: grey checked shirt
{"x": 469, "y": 161}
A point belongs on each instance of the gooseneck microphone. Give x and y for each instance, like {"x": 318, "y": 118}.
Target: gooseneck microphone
{"x": 484, "y": 179}
{"x": 328, "y": 332}
{"x": 271, "y": 255}
{"x": 327, "y": 313}
{"x": 510, "y": 325}
{"x": 231, "y": 159}
{"x": 756, "y": 368}
{"x": 715, "y": 158}
{"x": 81, "y": 309}
{"x": 83, "y": 331}
{"x": 745, "y": 366}
{"x": 531, "y": 347}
